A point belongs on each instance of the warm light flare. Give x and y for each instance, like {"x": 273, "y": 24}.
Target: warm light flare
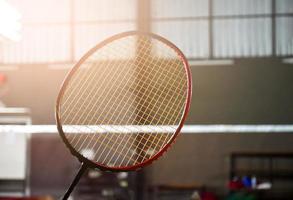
{"x": 10, "y": 25}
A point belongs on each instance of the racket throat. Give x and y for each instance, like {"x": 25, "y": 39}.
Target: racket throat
{"x": 81, "y": 171}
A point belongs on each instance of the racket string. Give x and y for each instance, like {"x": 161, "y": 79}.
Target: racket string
{"x": 110, "y": 73}
{"x": 139, "y": 142}
{"x": 164, "y": 142}
{"x": 92, "y": 75}
{"x": 167, "y": 95}
{"x": 123, "y": 137}
{"x": 104, "y": 107}
{"x": 102, "y": 152}
{"x": 150, "y": 105}
{"x": 120, "y": 153}
{"x": 101, "y": 76}
{"x": 84, "y": 72}
{"x": 135, "y": 139}
{"x": 162, "y": 122}
{"x": 88, "y": 114}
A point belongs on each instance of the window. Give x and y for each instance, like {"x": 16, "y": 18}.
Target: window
{"x": 93, "y": 24}
{"x": 242, "y": 28}
{"x": 62, "y": 31}
{"x": 213, "y": 29}
{"x": 183, "y": 22}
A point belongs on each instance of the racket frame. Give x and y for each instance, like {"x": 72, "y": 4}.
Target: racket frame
{"x": 69, "y": 75}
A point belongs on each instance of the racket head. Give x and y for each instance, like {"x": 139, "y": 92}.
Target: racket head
{"x": 139, "y": 163}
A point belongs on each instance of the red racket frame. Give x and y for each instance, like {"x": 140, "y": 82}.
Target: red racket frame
{"x": 93, "y": 164}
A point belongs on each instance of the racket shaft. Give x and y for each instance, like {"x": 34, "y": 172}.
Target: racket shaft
{"x": 81, "y": 171}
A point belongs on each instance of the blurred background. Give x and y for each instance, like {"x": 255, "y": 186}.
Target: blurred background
{"x": 238, "y": 139}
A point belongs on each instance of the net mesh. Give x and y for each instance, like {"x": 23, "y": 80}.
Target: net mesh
{"x": 125, "y": 101}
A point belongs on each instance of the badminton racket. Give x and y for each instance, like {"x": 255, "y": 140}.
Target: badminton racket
{"x": 124, "y": 103}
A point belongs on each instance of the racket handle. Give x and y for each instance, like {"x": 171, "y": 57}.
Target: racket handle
{"x": 81, "y": 171}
